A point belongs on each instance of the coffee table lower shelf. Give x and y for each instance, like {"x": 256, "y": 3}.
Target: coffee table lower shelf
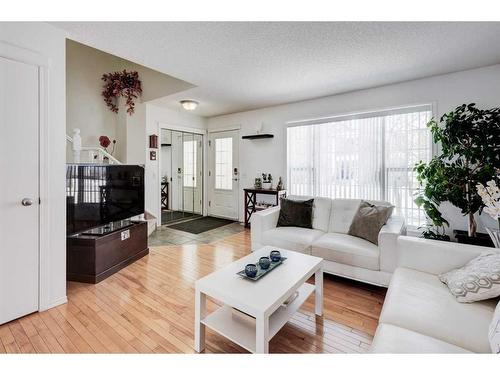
{"x": 241, "y": 330}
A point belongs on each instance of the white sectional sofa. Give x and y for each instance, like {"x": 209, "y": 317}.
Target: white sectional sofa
{"x": 344, "y": 255}
{"x": 420, "y": 315}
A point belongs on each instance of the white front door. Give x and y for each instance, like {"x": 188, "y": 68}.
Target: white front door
{"x": 19, "y": 189}
{"x": 223, "y": 174}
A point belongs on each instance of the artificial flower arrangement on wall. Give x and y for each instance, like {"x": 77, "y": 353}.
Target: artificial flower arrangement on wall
{"x": 124, "y": 84}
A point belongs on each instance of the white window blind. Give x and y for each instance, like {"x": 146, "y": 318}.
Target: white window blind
{"x": 368, "y": 156}
{"x": 190, "y": 164}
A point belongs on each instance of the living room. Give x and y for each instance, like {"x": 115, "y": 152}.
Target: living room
{"x": 355, "y": 165}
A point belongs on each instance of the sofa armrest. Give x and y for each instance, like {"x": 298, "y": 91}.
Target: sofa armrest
{"x": 262, "y": 221}
{"x": 387, "y": 242}
{"x": 434, "y": 256}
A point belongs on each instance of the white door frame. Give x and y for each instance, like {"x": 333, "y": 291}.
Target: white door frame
{"x": 19, "y": 54}
{"x": 210, "y": 188}
{"x": 165, "y": 126}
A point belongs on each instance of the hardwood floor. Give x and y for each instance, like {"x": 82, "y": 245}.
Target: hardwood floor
{"x": 148, "y": 307}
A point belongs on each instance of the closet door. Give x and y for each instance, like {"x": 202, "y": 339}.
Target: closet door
{"x": 19, "y": 189}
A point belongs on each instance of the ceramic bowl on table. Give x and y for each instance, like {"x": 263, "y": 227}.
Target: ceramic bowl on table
{"x": 264, "y": 262}
{"x": 275, "y": 256}
{"x": 251, "y": 270}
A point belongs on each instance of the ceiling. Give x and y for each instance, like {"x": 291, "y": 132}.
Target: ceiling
{"x": 238, "y": 66}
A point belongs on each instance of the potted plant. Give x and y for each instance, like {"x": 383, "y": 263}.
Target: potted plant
{"x": 470, "y": 139}
{"x": 490, "y": 195}
{"x": 267, "y": 181}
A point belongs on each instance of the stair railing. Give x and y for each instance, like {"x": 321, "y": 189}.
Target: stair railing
{"x": 94, "y": 154}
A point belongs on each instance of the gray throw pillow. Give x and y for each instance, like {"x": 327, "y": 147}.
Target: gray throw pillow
{"x": 296, "y": 213}
{"x": 368, "y": 220}
{"x": 477, "y": 280}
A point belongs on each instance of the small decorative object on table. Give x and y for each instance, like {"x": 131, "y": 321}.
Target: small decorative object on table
{"x": 490, "y": 194}
{"x": 251, "y": 270}
{"x": 267, "y": 181}
{"x": 258, "y": 183}
{"x": 264, "y": 262}
{"x": 275, "y": 256}
{"x": 255, "y": 271}
{"x": 280, "y": 184}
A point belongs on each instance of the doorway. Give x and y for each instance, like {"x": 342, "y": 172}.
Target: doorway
{"x": 181, "y": 175}
{"x": 223, "y": 174}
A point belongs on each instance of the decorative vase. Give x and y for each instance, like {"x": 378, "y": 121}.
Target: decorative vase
{"x": 495, "y": 236}
{"x": 264, "y": 263}
{"x": 251, "y": 270}
{"x": 275, "y": 256}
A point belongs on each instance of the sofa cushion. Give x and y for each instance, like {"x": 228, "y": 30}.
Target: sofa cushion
{"x": 295, "y": 213}
{"x": 292, "y": 238}
{"x": 343, "y": 210}
{"x": 397, "y": 340}
{"x": 345, "y": 249}
{"x": 494, "y": 331}
{"x": 321, "y": 211}
{"x": 368, "y": 221}
{"x": 477, "y": 280}
{"x": 418, "y": 301}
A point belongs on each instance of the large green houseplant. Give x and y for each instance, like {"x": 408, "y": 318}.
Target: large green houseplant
{"x": 469, "y": 140}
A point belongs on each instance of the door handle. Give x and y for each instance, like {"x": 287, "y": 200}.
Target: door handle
{"x": 27, "y": 202}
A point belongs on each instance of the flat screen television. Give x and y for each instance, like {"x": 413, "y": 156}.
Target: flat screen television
{"x": 99, "y": 194}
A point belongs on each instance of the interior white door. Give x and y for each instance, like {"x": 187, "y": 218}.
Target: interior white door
{"x": 223, "y": 174}
{"x": 19, "y": 189}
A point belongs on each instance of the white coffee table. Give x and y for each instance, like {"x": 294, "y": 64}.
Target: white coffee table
{"x": 262, "y": 299}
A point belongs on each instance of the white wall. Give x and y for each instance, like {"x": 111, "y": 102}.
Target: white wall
{"x": 481, "y": 86}
{"x": 157, "y": 117}
{"x": 50, "y": 42}
{"x": 86, "y": 109}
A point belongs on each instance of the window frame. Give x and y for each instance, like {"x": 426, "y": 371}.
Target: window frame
{"x": 409, "y": 108}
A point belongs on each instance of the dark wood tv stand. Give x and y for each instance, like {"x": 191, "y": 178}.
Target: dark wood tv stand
{"x": 91, "y": 259}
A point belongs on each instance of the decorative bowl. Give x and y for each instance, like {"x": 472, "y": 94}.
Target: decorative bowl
{"x": 251, "y": 270}
{"x": 275, "y": 256}
{"x": 264, "y": 262}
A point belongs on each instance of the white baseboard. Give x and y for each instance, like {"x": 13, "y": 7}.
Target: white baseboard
{"x": 57, "y": 302}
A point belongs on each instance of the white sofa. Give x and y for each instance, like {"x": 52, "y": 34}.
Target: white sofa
{"x": 344, "y": 255}
{"x": 420, "y": 315}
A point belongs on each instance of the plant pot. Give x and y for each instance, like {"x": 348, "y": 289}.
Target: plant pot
{"x": 481, "y": 239}
{"x": 267, "y": 185}
{"x": 495, "y": 236}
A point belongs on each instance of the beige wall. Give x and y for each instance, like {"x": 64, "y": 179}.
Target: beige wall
{"x": 87, "y": 111}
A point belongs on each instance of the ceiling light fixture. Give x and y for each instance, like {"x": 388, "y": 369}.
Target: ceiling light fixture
{"x": 189, "y": 105}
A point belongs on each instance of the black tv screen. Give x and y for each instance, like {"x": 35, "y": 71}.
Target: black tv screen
{"x": 98, "y": 194}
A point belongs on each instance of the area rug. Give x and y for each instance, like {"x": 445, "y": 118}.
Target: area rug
{"x": 201, "y": 225}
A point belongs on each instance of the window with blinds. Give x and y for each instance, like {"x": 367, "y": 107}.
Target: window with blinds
{"x": 367, "y": 156}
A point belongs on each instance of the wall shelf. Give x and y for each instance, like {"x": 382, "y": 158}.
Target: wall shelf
{"x": 166, "y": 144}
{"x": 258, "y": 136}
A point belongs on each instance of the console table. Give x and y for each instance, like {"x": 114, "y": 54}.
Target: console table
{"x": 251, "y": 201}
{"x": 164, "y": 195}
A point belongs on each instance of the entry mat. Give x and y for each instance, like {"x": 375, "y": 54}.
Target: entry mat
{"x": 201, "y": 225}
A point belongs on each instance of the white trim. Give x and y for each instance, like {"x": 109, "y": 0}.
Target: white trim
{"x": 30, "y": 57}
{"x": 44, "y": 208}
{"x": 360, "y": 114}
{"x": 163, "y": 125}
{"x": 185, "y": 129}
{"x": 10, "y": 51}
{"x": 220, "y": 130}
